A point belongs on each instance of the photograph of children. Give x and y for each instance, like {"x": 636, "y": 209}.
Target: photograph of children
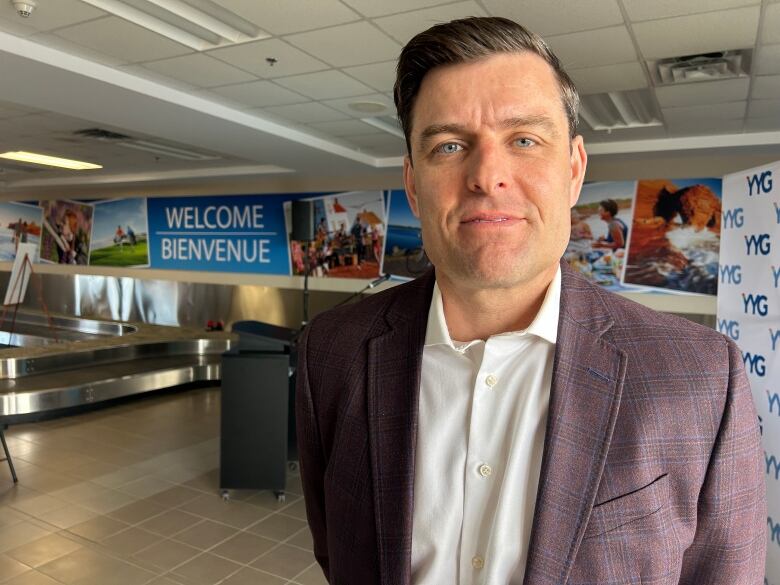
{"x": 350, "y": 237}
{"x": 404, "y": 254}
{"x": 675, "y": 235}
{"x": 19, "y": 224}
{"x": 119, "y": 234}
{"x": 67, "y": 229}
{"x": 600, "y": 232}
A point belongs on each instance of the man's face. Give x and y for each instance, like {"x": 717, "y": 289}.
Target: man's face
{"x": 494, "y": 173}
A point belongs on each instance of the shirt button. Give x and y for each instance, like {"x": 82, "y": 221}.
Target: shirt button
{"x": 491, "y": 380}
{"x": 485, "y": 470}
{"x": 477, "y": 562}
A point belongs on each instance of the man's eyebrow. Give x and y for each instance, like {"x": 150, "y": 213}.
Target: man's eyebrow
{"x": 515, "y": 122}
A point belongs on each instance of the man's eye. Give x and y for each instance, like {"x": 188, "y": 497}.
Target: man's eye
{"x": 449, "y": 148}
{"x": 524, "y": 142}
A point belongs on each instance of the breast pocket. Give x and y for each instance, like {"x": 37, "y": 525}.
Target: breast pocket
{"x": 628, "y": 508}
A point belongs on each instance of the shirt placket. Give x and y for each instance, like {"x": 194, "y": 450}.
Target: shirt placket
{"x": 479, "y": 476}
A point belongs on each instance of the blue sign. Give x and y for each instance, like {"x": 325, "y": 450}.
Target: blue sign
{"x": 237, "y": 233}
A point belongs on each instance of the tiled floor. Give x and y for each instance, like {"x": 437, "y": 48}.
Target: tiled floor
{"x": 129, "y": 495}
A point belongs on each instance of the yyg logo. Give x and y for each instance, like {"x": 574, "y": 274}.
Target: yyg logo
{"x": 733, "y": 218}
{"x": 774, "y": 530}
{"x": 757, "y": 303}
{"x": 774, "y": 399}
{"x": 759, "y": 243}
{"x": 772, "y": 465}
{"x": 776, "y": 275}
{"x": 777, "y": 212}
{"x": 730, "y": 274}
{"x": 755, "y": 363}
{"x": 774, "y": 336}
{"x": 730, "y": 328}
{"x": 762, "y": 183}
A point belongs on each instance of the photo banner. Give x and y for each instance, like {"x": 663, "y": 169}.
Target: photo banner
{"x": 749, "y": 313}
{"x": 229, "y": 233}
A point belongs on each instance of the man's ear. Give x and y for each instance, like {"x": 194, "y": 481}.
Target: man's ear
{"x": 579, "y": 163}
{"x": 409, "y": 185}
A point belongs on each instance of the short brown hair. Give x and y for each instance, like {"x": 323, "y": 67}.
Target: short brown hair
{"x": 469, "y": 39}
{"x": 610, "y": 206}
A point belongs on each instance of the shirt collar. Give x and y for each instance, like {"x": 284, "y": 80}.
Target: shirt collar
{"x": 544, "y": 325}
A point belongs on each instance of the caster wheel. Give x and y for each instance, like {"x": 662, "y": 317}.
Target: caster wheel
{"x": 280, "y": 497}
{"x": 225, "y": 495}
{"x": 292, "y": 466}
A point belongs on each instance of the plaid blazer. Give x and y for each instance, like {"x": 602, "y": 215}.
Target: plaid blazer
{"x": 652, "y": 466}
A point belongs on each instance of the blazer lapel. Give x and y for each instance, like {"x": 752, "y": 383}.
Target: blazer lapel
{"x": 587, "y": 381}
{"x": 394, "y": 363}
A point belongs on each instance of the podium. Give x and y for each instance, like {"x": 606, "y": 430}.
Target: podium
{"x": 257, "y": 434}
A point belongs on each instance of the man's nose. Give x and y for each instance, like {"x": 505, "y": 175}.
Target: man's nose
{"x": 489, "y": 171}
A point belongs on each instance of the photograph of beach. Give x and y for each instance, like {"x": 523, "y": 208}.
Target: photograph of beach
{"x": 600, "y": 232}
{"x": 404, "y": 254}
{"x": 19, "y": 224}
{"x": 119, "y": 233}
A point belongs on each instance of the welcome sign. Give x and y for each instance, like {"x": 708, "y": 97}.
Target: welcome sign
{"x": 749, "y": 312}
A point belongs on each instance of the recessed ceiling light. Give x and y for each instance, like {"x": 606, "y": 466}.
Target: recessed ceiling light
{"x": 367, "y": 107}
{"x": 50, "y": 161}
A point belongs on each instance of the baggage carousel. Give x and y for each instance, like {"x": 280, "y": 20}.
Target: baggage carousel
{"x": 49, "y": 365}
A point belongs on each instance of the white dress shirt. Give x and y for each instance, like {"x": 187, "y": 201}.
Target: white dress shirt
{"x": 482, "y": 419}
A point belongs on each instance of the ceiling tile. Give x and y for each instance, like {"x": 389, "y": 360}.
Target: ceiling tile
{"x": 123, "y": 40}
{"x": 766, "y": 87}
{"x": 252, "y": 57}
{"x": 638, "y": 10}
{"x": 144, "y": 73}
{"x": 702, "y": 93}
{"x": 727, "y": 111}
{"x": 11, "y": 110}
{"x": 344, "y": 128}
{"x": 372, "y": 8}
{"x": 349, "y": 44}
{"x": 289, "y": 16}
{"x": 557, "y": 17}
{"x": 380, "y": 76}
{"x": 701, "y": 33}
{"x": 53, "y": 14}
{"x": 620, "y": 77}
{"x": 259, "y": 94}
{"x": 705, "y": 126}
{"x": 380, "y": 144}
{"x": 324, "y": 85}
{"x": 762, "y": 124}
{"x": 764, "y": 108}
{"x": 402, "y": 27}
{"x": 199, "y": 70}
{"x": 771, "y": 24}
{"x": 767, "y": 62}
{"x": 621, "y": 134}
{"x": 606, "y": 46}
{"x": 342, "y": 105}
{"x": 52, "y": 41}
{"x": 308, "y": 113}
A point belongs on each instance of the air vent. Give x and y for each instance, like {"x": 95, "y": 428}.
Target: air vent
{"x": 705, "y": 67}
{"x": 154, "y": 147}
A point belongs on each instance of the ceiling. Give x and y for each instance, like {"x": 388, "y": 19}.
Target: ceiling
{"x": 281, "y": 100}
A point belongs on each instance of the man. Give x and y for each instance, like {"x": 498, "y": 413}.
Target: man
{"x": 617, "y": 230}
{"x": 500, "y": 419}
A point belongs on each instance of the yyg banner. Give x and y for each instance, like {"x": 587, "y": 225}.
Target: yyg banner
{"x": 749, "y": 313}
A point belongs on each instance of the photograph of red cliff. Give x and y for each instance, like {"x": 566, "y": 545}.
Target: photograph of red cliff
{"x": 675, "y": 235}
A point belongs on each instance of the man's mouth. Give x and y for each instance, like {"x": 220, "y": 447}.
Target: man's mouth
{"x": 488, "y": 219}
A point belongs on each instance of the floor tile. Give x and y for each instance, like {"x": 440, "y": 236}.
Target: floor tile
{"x": 175, "y": 496}
{"x": 277, "y": 527}
{"x": 213, "y": 507}
{"x": 137, "y": 512}
{"x": 284, "y": 561}
{"x": 206, "y": 569}
{"x": 145, "y": 486}
{"x": 31, "y": 578}
{"x": 205, "y": 535}
{"x": 99, "y": 528}
{"x": 296, "y": 509}
{"x": 43, "y": 550}
{"x": 302, "y": 539}
{"x": 170, "y": 522}
{"x": 166, "y": 554}
{"x": 312, "y": 576}
{"x": 249, "y": 576}
{"x": 10, "y": 568}
{"x": 19, "y": 534}
{"x": 89, "y": 567}
{"x": 243, "y": 548}
{"x": 130, "y": 541}
{"x": 68, "y": 516}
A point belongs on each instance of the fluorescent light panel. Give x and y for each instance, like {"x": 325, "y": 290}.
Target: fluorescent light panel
{"x": 165, "y": 150}
{"x": 178, "y": 8}
{"x": 618, "y": 110}
{"x": 50, "y": 161}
